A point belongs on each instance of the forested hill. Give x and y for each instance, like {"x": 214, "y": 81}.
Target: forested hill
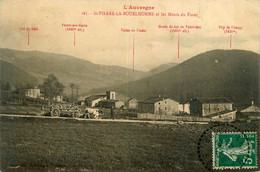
{"x": 233, "y": 74}
{"x": 68, "y": 69}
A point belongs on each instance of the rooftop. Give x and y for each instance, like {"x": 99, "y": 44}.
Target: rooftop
{"x": 131, "y": 99}
{"x": 213, "y": 100}
{"x": 154, "y": 99}
{"x": 110, "y": 100}
{"x": 252, "y": 108}
{"x": 219, "y": 113}
{"x": 94, "y": 97}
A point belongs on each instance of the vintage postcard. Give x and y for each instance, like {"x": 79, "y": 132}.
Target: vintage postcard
{"x": 129, "y": 85}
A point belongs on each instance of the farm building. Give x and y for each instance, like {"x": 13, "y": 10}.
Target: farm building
{"x": 185, "y": 107}
{"x": 250, "y": 113}
{"x": 112, "y": 104}
{"x": 93, "y": 101}
{"x": 33, "y": 92}
{"x": 223, "y": 116}
{"x": 159, "y": 106}
{"x": 208, "y": 106}
{"x": 132, "y": 103}
{"x": 110, "y": 101}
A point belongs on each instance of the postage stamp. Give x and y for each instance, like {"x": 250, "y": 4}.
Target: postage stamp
{"x": 234, "y": 150}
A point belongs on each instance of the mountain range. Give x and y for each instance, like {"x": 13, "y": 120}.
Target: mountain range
{"x": 233, "y": 74}
{"x": 23, "y": 68}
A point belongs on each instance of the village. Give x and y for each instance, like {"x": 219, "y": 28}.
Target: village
{"x": 218, "y": 109}
{"x": 108, "y": 105}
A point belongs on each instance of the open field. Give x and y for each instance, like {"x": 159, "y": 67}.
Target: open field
{"x": 20, "y": 109}
{"x": 97, "y": 145}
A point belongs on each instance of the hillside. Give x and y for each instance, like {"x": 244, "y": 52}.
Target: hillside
{"x": 233, "y": 74}
{"x": 161, "y": 68}
{"x": 15, "y": 76}
{"x": 68, "y": 69}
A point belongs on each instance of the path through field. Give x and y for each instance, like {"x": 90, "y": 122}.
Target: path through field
{"x": 102, "y": 120}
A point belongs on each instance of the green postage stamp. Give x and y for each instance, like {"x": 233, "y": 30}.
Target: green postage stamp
{"x": 234, "y": 150}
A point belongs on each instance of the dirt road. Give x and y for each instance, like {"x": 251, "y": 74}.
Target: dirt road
{"x": 101, "y": 120}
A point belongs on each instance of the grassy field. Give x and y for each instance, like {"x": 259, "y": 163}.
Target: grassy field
{"x": 20, "y": 109}
{"x": 33, "y": 142}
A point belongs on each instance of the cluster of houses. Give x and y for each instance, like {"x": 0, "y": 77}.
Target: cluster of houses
{"x": 105, "y": 101}
{"x": 216, "y": 109}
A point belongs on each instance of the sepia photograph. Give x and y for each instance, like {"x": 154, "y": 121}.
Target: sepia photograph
{"x": 129, "y": 85}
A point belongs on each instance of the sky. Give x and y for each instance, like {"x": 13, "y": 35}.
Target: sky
{"x": 104, "y": 42}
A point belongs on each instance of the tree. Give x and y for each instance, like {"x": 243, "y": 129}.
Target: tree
{"x": 5, "y": 91}
{"x": 72, "y": 86}
{"x": 77, "y": 92}
{"x": 51, "y": 88}
{"x": 74, "y": 95}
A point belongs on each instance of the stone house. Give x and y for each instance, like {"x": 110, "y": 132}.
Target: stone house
{"x": 250, "y": 113}
{"x": 185, "y": 107}
{"x": 115, "y": 104}
{"x": 159, "y": 106}
{"x": 93, "y": 101}
{"x": 208, "y": 106}
{"x": 132, "y": 103}
{"x": 33, "y": 92}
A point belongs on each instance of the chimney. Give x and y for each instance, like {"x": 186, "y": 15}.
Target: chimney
{"x": 159, "y": 95}
{"x": 252, "y": 103}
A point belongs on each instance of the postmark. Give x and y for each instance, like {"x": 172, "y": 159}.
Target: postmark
{"x": 206, "y": 153}
{"x": 234, "y": 150}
